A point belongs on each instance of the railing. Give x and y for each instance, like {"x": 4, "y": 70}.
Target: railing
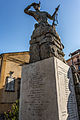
{"x": 77, "y": 63}
{"x": 78, "y": 71}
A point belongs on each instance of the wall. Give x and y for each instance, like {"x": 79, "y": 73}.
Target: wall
{"x": 74, "y": 59}
{"x": 11, "y": 62}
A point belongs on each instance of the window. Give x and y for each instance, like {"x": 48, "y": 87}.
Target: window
{"x": 79, "y": 67}
{"x": 10, "y": 83}
{"x": 78, "y": 60}
{"x": 0, "y": 66}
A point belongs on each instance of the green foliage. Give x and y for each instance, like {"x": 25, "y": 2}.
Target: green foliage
{"x": 13, "y": 114}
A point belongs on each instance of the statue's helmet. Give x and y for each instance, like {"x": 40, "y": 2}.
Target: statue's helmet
{"x": 37, "y": 5}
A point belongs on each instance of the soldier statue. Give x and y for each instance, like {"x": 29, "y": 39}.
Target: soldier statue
{"x": 45, "y": 42}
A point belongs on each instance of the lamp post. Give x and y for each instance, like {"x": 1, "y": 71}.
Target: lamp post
{"x": 71, "y": 58}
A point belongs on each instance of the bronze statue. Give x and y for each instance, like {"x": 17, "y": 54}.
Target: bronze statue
{"x": 41, "y": 16}
{"x": 45, "y": 42}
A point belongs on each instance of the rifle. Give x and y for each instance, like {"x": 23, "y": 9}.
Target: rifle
{"x": 55, "y": 16}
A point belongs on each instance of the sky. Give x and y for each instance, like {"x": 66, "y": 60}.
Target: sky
{"x": 16, "y": 27}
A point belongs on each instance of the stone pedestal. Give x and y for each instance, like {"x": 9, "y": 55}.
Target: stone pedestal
{"x": 47, "y": 91}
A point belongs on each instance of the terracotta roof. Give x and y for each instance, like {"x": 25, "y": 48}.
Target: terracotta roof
{"x": 74, "y": 53}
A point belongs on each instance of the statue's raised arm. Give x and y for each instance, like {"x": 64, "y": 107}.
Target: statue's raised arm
{"x": 27, "y": 11}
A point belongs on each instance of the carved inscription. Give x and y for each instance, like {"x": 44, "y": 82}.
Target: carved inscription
{"x": 40, "y": 93}
{"x": 36, "y": 96}
{"x": 67, "y": 100}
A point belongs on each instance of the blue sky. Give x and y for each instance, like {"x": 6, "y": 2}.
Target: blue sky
{"x": 16, "y": 27}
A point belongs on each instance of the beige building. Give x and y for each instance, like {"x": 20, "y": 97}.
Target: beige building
{"x": 75, "y": 60}
{"x": 10, "y": 76}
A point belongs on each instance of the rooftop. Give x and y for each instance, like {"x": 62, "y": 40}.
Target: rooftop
{"x": 76, "y": 52}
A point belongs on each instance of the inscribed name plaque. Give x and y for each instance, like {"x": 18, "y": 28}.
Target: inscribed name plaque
{"x": 67, "y": 105}
{"x": 47, "y": 91}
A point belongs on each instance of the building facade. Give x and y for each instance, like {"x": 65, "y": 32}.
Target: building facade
{"x": 10, "y": 77}
{"x": 75, "y": 60}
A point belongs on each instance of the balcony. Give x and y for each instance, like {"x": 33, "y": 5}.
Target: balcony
{"x": 78, "y": 71}
{"x": 77, "y": 62}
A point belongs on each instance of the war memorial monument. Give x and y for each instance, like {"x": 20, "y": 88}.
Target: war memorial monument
{"x": 47, "y": 88}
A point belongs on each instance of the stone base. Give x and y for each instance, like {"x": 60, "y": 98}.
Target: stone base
{"x": 45, "y": 42}
{"x": 47, "y": 91}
